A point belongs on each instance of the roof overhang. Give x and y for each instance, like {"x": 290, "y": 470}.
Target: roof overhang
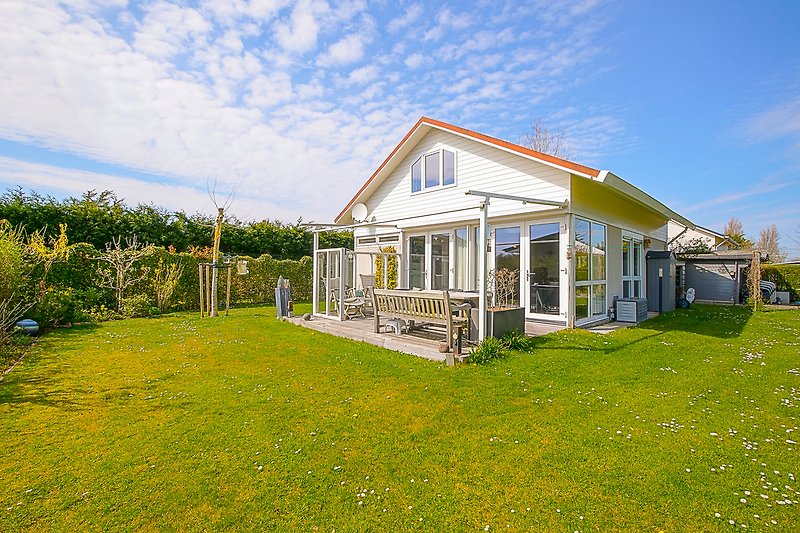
{"x": 623, "y": 187}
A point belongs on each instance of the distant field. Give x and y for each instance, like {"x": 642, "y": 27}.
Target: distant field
{"x": 689, "y": 422}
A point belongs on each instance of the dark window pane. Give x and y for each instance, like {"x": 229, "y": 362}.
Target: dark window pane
{"x": 626, "y": 258}
{"x": 545, "y": 232}
{"x": 598, "y": 252}
{"x": 599, "y": 300}
{"x": 582, "y": 302}
{"x": 449, "y": 167}
{"x": 581, "y": 250}
{"x": 432, "y": 170}
{"x": 416, "y": 176}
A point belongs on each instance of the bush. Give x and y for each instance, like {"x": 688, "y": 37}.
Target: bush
{"x": 12, "y": 261}
{"x": 488, "y": 350}
{"x": 514, "y": 340}
{"x": 58, "y": 306}
{"x": 786, "y": 277}
{"x": 135, "y": 306}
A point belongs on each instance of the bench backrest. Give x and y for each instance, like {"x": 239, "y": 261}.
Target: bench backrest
{"x": 433, "y": 306}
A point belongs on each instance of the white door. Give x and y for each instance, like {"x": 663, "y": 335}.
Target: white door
{"x": 544, "y": 274}
{"x": 429, "y": 261}
{"x": 506, "y": 265}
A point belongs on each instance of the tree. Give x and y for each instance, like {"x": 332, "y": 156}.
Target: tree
{"x": 735, "y": 232}
{"x": 697, "y": 245}
{"x": 122, "y": 272}
{"x": 48, "y": 255}
{"x": 768, "y": 242}
{"x": 548, "y": 140}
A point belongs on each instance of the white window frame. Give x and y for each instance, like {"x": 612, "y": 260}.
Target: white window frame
{"x": 636, "y": 282}
{"x": 421, "y": 160}
{"x": 593, "y": 282}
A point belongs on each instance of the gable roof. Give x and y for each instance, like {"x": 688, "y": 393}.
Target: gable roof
{"x": 426, "y": 124}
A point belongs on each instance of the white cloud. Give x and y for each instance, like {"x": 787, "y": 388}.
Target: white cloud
{"x": 299, "y": 33}
{"x": 347, "y": 50}
{"x": 415, "y": 61}
{"x": 412, "y": 14}
{"x": 760, "y": 188}
{"x": 168, "y": 29}
{"x": 782, "y": 120}
{"x": 270, "y": 90}
{"x": 232, "y": 90}
{"x": 364, "y": 74}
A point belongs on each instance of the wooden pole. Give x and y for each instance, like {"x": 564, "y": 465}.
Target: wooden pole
{"x": 228, "y": 292}
{"x": 208, "y": 290}
{"x": 215, "y": 262}
{"x": 202, "y": 292}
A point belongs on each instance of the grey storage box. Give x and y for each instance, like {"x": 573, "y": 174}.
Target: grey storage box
{"x": 632, "y": 310}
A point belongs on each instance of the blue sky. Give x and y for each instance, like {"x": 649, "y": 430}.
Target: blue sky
{"x": 295, "y": 103}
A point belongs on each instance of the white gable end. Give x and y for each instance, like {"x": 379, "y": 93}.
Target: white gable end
{"x": 478, "y": 167}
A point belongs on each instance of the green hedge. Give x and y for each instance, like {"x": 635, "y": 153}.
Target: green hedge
{"x": 256, "y": 287}
{"x": 786, "y": 277}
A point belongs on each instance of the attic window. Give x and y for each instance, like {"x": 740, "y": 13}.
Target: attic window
{"x": 433, "y": 170}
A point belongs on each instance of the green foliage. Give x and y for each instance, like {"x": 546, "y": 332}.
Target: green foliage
{"x": 165, "y": 281}
{"x": 100, "y": 418}
{"x": 391, "y": 264}
{"x": 488, "y": 350}
{"x": 12, "y": 261}
{"x": 58, "y": 306}
{"x": 785, "y": 277}
{"x": 98, "y": 218}
{"x": 135, "y": 306}
{"x": 693, "y": 246}
{"x": 514, "y": 340}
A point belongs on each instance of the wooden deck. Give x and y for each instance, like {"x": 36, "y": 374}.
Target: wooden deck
{"x": 423, "y": 344}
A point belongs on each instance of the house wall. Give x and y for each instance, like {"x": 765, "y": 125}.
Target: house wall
{"x": 598, "y": 202}
{"x": 478, "y": 166}
{"x": 674, "y": 229}
{"x": 613, "y": 263}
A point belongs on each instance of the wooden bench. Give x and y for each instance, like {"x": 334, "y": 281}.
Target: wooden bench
{"x": 430, "y": 307}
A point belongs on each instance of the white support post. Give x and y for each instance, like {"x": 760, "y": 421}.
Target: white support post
{"x": 482, "y": 274}
{"x": 315, "y": 282}
{"x": 340, "y": 303}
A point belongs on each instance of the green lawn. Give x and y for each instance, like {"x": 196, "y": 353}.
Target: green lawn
{"x": 247, "y": 423}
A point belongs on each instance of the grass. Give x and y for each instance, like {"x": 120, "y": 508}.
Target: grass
{"x": 247, "y": 423}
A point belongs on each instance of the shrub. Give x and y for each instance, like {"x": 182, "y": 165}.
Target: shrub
{"x": 58, "y": 306}
{"x": 12, "y": 261}
{"x": 488, "y": 350}
{"x": 786, "y": 277}
{"x": 134, "y": 306}
{"x": 514, "y": 340}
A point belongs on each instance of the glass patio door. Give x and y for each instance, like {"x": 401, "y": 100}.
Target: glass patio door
{"x": 544, "y": 271}
{"x": 440, "y": 261}
{"x": 416, "y": 262}
{"x": 429, "y": 261}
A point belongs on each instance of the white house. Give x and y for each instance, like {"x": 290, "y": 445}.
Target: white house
{"x": 577, "y": 235}
{"x": 681, "y": 237}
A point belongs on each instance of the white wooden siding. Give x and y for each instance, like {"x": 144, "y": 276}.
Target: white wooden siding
{"x": 478, "y": 166}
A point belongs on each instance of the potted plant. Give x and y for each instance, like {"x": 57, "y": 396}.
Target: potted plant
{"x": 504, "y": 314}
